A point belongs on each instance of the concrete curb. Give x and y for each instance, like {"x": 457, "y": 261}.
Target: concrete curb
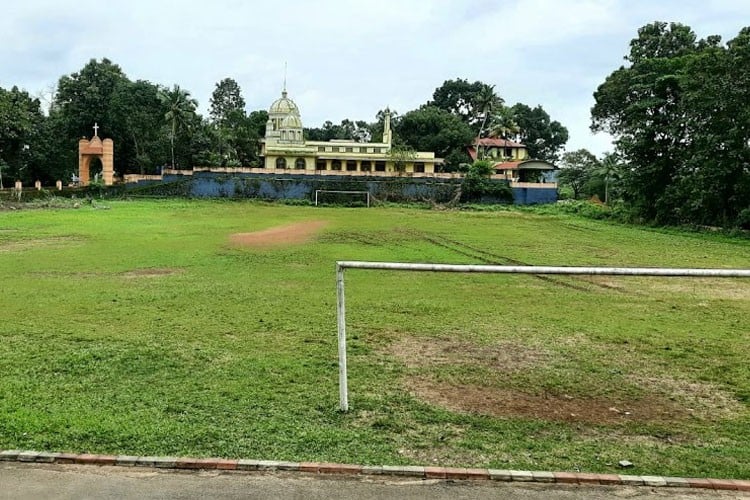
{"x": 446, "y": 473}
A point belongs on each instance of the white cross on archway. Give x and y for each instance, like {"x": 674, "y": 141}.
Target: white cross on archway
{"x": 96, "y": 129}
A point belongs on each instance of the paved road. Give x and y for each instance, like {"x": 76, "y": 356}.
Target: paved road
{"x": 39, "y": 481}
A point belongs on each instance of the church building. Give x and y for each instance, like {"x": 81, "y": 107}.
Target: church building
{"x": 285, "y": 147}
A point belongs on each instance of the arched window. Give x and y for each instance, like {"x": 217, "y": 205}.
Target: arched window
{"x": 280, "y": 162}
{"x": 299, "y": 163}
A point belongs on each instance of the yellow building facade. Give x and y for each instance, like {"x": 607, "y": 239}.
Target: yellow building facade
{"x": 285, "y": 147}
{"x": 510, "y": 159}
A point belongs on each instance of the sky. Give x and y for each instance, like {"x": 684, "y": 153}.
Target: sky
{"x": 348, "y": 58}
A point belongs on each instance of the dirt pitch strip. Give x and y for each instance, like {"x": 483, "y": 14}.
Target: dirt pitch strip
{"x": 279, "y": 236}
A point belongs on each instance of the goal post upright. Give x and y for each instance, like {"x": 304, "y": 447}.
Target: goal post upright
{"x": 341, "y": 315}
{"x": 341, "y": 266}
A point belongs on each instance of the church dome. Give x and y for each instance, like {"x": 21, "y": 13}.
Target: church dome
{"x": 283, "y": 106}
{"x": 291, "y": 121}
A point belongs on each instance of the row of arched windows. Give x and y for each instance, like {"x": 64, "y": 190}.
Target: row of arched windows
{"x": 299, "y": 163}
{"x": 291, "y": 135}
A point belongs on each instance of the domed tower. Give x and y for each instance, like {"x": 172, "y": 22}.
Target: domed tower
{"x": 284, "y": 122}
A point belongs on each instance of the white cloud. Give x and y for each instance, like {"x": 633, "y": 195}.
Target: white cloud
{"x": 350, "y": 59}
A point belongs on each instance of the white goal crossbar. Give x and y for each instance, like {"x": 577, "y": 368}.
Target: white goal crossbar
{"x": 455, "y": 268}
{"x": 341, "y": 192}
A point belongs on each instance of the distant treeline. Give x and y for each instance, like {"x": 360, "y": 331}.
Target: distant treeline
{"x": 154, "y": 126}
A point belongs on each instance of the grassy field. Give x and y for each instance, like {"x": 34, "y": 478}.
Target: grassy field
{"x": 147, "y": 328}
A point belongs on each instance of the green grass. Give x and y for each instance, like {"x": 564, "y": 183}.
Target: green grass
{"x": 140, "y": 330}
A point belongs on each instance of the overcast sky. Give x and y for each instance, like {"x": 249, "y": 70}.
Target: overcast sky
{"x": 348, "y": 59}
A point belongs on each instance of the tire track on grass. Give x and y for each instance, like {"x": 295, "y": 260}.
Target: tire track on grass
{"x": 495, "y": 259}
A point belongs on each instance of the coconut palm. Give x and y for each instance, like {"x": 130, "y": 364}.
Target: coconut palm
{"x": 609, "y": 171}
{"x": 485, "y": 102}
{"x": 180, "y": 108}
{"x": 503, "y": 123}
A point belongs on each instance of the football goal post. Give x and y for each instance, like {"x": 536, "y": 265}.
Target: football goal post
{"x": 341, "y": 266}
{"x": 322, "y": 191}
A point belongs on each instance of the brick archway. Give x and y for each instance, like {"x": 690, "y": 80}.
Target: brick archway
{"x": 96, "y": 148}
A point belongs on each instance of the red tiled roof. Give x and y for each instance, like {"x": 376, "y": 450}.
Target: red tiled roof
{"x": 506, "y": 165}
{"x": 498, "y": 142}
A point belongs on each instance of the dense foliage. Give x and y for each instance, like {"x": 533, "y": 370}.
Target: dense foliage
{"x": 152, "y": 126}
{"x": 478, "y": 186}
{"x": 155, "y": 126}
{"x": 20, "y": 124}
{"x": 681, "y": 119}
{"x": 483, "y": 110}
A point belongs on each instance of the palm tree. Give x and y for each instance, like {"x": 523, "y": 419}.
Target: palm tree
{"x": 503, "y": 123}
{"x": 180, "y": 108}
{"x": 609, "y": 171}
{"x": 485, "y": 102}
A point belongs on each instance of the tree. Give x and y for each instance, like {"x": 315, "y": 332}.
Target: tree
{"x": 659, "y": 40}
{"x": 128, "y": 112}
{"x": 180, "y": 109}
{"x": 400, "y": 156}
{"x": 226, "y": 101}
{"x": 256, "y": 124}
{"x": 641, "y": 106}
{"x": 359, "y": 131}
{"x": 456, "y": 97}
{"x": 21, "y": 121}
{"x": 713, "y": 184}
{"x": 544, "y": 138}
{"x": 432, "y": 129}
{"x": 86, "y": 97}
{"x": 229, "y": 132}
{"x": 459, "y": 97}
{"x": 680, "y": 117}
{"x": 478, "y": 184}
{"x": 609, "y": 170}
{"x": 477, "y": 104}
{"x": 486, "y": 102}
{"x": 138, "y": 110}
{"x": 503, "y": 123}
{"x": 577, "y": 168}
{"x": 330, "y": 131}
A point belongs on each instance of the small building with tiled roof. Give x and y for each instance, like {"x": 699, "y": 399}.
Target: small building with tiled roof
{"x": 496, "y": 148}
{"x": 511, "y": 159}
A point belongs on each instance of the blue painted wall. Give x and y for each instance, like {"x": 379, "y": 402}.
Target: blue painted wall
{"x": 297, "y": 186}
{"x": 534, "y": 196}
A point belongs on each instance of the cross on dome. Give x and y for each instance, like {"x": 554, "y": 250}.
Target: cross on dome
{"x": 96, "y": 129}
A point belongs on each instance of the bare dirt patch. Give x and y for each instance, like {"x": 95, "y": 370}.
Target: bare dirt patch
{"x": 290, "y": 234}
{"x": 507, "y": 402}
{"x": 505, "y": 356}
{"x": 151, "y": 272}
{"x": 661, "y": 399}
{"x": 702, "y": 400}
